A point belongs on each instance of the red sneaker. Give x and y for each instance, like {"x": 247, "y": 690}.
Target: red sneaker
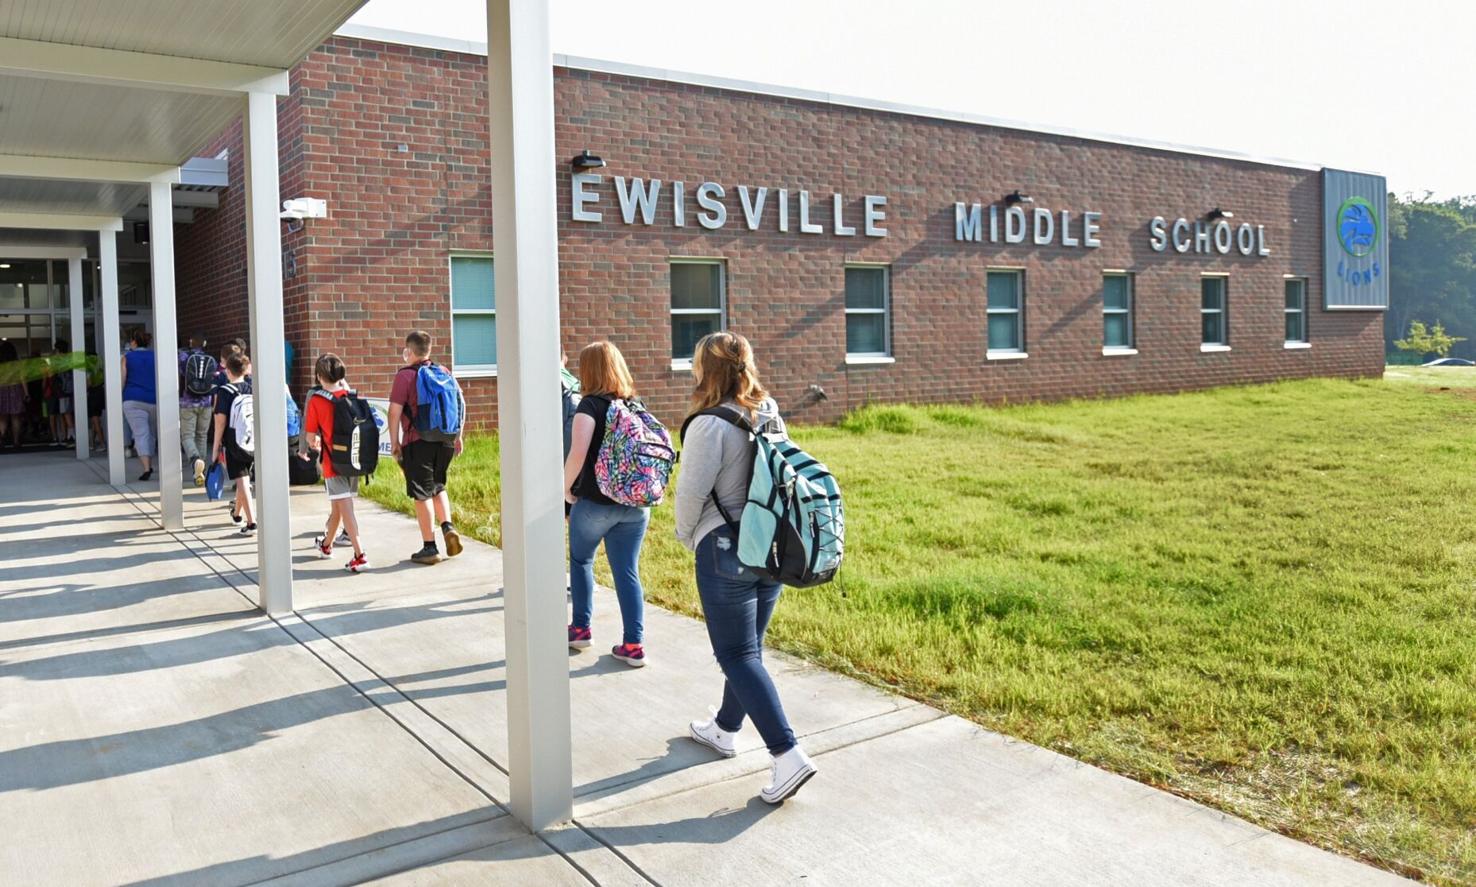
{"x": 631, "y": 654}
{"x": 579, "y": 638}
{"x": 359, "y": 564}
{"x": 325, "y": 546}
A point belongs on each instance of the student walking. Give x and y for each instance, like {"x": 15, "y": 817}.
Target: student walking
{"x": 595, "y": 517}
{"x": 341, "y": 426}
{"x": 140, "y": 398}
{"x": 196, "y": 404}
{"x": 233, "y": 414}
{"x": 13, "y": 394}
{"x": 717, "y": 461}
{"x": 426, "y": 421}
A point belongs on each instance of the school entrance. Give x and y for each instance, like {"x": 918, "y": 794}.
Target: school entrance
{"x": 36, "y": 310}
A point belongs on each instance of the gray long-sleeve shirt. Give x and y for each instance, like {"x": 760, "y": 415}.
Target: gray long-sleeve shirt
{"x": 717, "y": 456}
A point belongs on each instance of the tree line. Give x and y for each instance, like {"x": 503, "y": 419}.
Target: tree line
{"x": 1432, "y": 274}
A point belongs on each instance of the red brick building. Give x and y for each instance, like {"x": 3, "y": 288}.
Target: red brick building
{"x": 1088, "y": 267}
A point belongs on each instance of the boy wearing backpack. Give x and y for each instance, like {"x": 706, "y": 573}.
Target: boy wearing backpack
{"x": 196, "y": 402}
{"x": 340, "y": 424}
{"x": 234, "y": 412}
{"x": 426, "y": 419}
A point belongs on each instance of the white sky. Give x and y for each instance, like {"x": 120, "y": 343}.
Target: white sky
{"x": 1362, "y": 84}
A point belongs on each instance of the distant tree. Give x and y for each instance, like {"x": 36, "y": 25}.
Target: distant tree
{"x": 1434, "y": 341}
{"x": 1432, "y": 265}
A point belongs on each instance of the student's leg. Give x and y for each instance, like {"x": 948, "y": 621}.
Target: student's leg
{"x": 245, "y": 505}
{"x": 588, "y": 524}
{"x": 188, "y": 417}
{"x": 442, "y": 503}
{"x": 623, "y": 551}
{"x": 335, "y": 515}
{"x": 350, "y": 523}
{"x": 730, "y": 602}
{"x": 423, "y": 517}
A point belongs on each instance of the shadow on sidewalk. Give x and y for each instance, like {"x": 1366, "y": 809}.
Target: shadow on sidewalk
{"x": 262, "y": 867}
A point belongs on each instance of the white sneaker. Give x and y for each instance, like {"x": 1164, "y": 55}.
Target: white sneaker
{"x": 708, "y": 733}
{"x": 788, "y": 772}
{"x": 199, "y": 472}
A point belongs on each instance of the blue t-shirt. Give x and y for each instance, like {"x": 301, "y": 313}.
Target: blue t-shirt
{"x": 141, "y": 383}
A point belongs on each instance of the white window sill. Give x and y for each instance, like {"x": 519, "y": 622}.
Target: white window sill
{"x": 869, "y": 359}
{"x": 1118, "y": 352}
{"x": 1213, "y": 349}
{"x": 476, "y": 373}
{"x": 681, "y": 366}
{"x": 1005, "y": 355}
{"x": 1296, "y": 345}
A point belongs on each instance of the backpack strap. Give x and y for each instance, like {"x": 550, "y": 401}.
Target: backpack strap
{"x": 728, "y": 414}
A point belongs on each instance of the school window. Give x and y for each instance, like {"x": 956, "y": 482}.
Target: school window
{"x": 1296, "y": 311}
{"x": 868, "y": 321}
{"x": 1006, "y": 312}
{"x": 473, "y": 314}
{"x": 698, "y": 303}
{"x": 1214, "y": 312}
{"x": 1117, "y": 311}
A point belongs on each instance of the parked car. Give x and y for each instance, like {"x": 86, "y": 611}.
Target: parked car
{"x": 1451, "y": 362}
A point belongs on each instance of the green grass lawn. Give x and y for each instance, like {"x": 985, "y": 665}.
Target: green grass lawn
{"x": 1262, "y": 598}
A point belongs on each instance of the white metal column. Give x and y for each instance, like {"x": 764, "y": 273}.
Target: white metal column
{"x": 112, "y": 353}
{"x": 166, "y": 354}
{"x": 79, "y": 346}
{"x": 268, "y": 353}
{"x": 520, "y": 104}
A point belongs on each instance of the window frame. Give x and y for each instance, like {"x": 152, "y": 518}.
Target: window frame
{"x": 885, "y": 355}
{"x": 1224, "y": 311}
{"x": 471, "y": 370}
{"x": 685, "y": 363}
{"x": 1018, "y": 351}
{"x": 1130, "y": 312}
{"x": 1306, "y": 340}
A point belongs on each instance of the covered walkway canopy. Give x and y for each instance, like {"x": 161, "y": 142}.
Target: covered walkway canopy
{"x": 102, "y": 104}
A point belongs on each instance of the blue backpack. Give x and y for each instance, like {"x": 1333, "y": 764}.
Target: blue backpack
{"x": 438, "y": 404}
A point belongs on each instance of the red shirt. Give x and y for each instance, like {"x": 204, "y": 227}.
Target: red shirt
{"x": 403, "y": 393}
{"x": 319, "y": 420}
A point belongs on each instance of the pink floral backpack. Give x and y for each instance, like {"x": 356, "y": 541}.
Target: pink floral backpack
{"x": 635, "y": 458}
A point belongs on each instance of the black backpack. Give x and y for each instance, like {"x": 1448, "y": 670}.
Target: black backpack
{"x": 354, "y": 449}
{"x": 199, "y": 374}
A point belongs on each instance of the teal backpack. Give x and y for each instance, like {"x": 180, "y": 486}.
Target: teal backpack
{"x": 793, "y": 527}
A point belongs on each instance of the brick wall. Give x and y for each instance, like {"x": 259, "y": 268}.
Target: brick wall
{"x": 394, "y": 138}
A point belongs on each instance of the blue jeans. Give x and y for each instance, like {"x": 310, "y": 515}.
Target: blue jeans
{"x": 622, "y": 528}
{"x": 738, "y": 604}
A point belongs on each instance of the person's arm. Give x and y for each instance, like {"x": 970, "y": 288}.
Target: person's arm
{"x": 460, "y": 432}
{"x": 584, "y": 429}
{"x": 702, "y": 459}
{"x": 395, "y": 411}
{"x": 215, "y": 443}
{"x": 124, "y": 361}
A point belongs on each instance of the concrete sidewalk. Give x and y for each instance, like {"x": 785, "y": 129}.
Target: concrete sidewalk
{"x": 155, "y": 728}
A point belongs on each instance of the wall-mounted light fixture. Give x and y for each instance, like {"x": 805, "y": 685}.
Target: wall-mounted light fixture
{"x": 1015, "y": 197}
{"x": 1218, "y": 213}
{"x": 586, "y": 160}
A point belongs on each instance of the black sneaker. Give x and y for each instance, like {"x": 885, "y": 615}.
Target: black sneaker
{"x": 248, "y": 530}
{"x": 427, "y": 555}
{"x": 146, "y": 475}
{"x": 453, "y": 540}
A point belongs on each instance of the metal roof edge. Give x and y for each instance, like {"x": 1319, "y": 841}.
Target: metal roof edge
{"x": 603, "y": 66}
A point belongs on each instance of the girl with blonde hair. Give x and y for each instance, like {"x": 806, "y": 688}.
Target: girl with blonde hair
{"x": 595, "y": 517}
{"x": 729, "y": 405}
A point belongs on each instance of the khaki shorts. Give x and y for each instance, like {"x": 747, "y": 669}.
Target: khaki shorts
{"x": 341, "y": 487}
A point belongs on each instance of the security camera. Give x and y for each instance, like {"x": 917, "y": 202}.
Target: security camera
{"x": 299, "y": 208}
